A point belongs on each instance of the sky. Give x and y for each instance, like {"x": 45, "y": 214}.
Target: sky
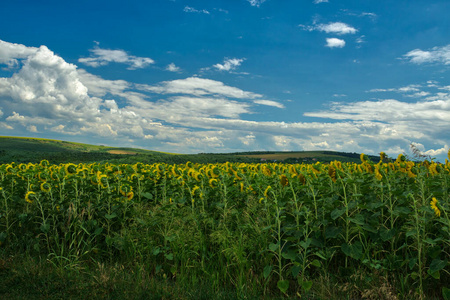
{"x": 220, "y": 76}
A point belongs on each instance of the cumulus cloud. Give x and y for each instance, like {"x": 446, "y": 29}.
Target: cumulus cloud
{"x": 10, "y": 53}
{"x": 229, "y": 64}
{"x": 434, "y": 55}
{"x": 335, "y": 43}
{"x": 193, "y": 10}
{"x": 50, "y": 96}
{"x": 256, "y": 3}
{"x": 172, "y": 68}
{"x": 102, "y": 57}
{"x": 338, "y": 28}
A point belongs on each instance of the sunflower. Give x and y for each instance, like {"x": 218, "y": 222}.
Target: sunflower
{"x": 45, "y": 187}
{"x": 284, "y": 180}
{"x": 130, "y": 195}
{"x": 44, "y": 163}
{"x": 70, "y": 168}
{"x": 30, "y": 196}
{"x": 125, "y": 190}
{"x": 434, "y": 205}
{"x": 213, "y": 183}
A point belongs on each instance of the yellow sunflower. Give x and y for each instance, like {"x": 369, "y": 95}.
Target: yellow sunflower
{"x": 434, "y": 205}
{"x": 30, "y": 196}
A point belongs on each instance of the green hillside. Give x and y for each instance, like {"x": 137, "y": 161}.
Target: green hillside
{"x": 24, "y": 149}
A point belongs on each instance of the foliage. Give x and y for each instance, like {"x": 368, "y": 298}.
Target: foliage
{"x": 378, "y": 230}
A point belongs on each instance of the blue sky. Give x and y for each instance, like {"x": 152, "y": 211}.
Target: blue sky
{"x": 190, "y": 76}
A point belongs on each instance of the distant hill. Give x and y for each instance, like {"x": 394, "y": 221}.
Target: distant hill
{"x": 24, "y": 149}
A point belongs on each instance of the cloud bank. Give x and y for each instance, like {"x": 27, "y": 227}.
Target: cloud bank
{"x": 49, "y": 97}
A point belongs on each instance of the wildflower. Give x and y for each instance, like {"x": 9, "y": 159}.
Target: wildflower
{"x": 378, "y": 174}
{"x": 363, "y": 157}
{"x": 213, "y": 182}
{"x": 302, "y": 178}
{"x": 194, "y": 189}
{"x": 400, "y": 158}
{"x": 44, "y": 163}
{"x": 434, "y": 205}
{"x": 30, "y": 196}
{"x": 130, "y": 195}
{"x": 125, "y": 189}
{"x": 45, "y": 187}
{"x": 332, "y": 173}
{"x": 70, "y": 168}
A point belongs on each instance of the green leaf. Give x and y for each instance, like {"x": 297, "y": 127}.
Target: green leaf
{"x": 410, "y": 233}
{"x": 305, "y": 244}
{"x": 156, "y": 251}
{"x": 446, "y": 293}
{"x": 412, "y": 263}
{"x": 45, "y": 227}
{"x": 437, "y": 265}
{"x": 401, "y": 210}
{"x": 147, "y": 195}
{"x": 435, "y": 275}
{"x": 387, "y": 234}
{"x": 283, "y": 285}
{"x": 332, "y": 232}
{"x": 315, "y": 263}
{"x": 358, "y": 219}
{"x": 98, "y": 231}
{"x": 168, "y": 256}
{"x": 110, "y": 216}
{"x": 295, "y": 270}
{"x": 307, "y": 285}
{"x": 354, "y": 251}
{"x": 273, "y": 247}
{"x": 291, "y": 255}
{"x": 337, "y": 213}
{"x": 267, "y": 271}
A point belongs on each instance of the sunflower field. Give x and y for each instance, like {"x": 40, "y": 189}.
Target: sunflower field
{"x": 375, "y": 230}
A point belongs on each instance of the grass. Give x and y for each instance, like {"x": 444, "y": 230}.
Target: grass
{"x": 25, "y": 277}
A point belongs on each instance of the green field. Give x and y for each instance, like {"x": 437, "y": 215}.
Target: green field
{"x": 23, "y": 149}
{"x": 377, "y": 229}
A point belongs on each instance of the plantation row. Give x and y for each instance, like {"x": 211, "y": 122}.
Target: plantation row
{"x": 376, "y": 228}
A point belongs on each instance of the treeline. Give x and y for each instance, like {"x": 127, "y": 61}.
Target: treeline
{"x": 24, "y": 156}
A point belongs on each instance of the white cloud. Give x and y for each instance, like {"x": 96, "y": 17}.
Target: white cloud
{"x": 53, "y": 97}
{"x": 320, "y": 1}
{"x": 434, "y": 55}
{"x": 269, "y": 103}
{"x": 406, "y": 89}
{"x": 32, "y": 128}
{"x": 229, "y": 64}
{"x": 336, "y": 28}
{"x": 102, "y": 57}
{"x": 172, "y": 68}
{"x": 10, "y": 53}
{"x": 256, "y": 3}
{"x": 199, "y": 87}
{"x": 193, "y": 10}
{"x": 335, "y": 43}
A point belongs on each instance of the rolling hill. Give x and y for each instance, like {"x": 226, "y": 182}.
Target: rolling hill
{"x": 25, "y": 149}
